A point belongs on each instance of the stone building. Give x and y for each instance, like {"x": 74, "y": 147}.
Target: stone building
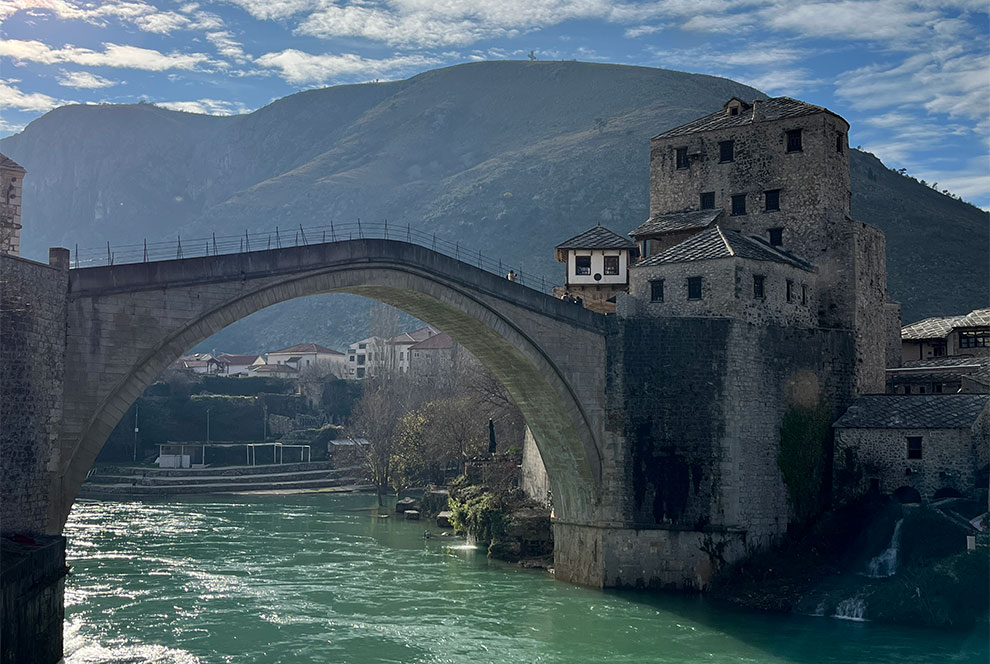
{"x": 776, "y": 172}
{"x": 432, "y": 358}
{"x": 597, "y": 268}
{"x": 916, "y": 447}
{"x": 941, "y": 375}
{"x": 11, "y": 182}
{"x": 947, "y": 336}
{"x": 757, "y": 296}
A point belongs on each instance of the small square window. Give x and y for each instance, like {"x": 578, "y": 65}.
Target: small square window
{"x": 582, "y": 265}
{"x": 694, "y": 288}
{"x": 656, "y": 290}
{"x": 739, "y": 204}
{"x": 759, "y": 286}
{"x": 707, "y": 200}
{"x": 776, "y": 236}
{"x": 734, "y": 110}
{"x": 611, "y": 265}
{"x": 360, "y": 373}
{"x": 771, "y": 200}
{"x": 726, "y": 151}
{"x": 682, "y": 157}
{"x": 790, "y": 290}
{"x": 914, "y": 447}
{"x": 937, "y": 388}
{"x": 938, "y": 348}
{"x": 360, "y": 359}
{"x": 794, "y": 140}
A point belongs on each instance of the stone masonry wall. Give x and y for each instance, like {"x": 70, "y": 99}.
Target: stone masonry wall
{"x": 700, "y": 401}
{"x": 813, "y": 183}
{"x": 872, "y": 317}
{"x": 32, "y": 351}
{"x": 950, "y": 459}
{"x": 727, "y": 290}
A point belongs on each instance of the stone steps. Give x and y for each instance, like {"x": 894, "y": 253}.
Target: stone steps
{"x": 114, "y": 490}
{"x": 140, "y": 480}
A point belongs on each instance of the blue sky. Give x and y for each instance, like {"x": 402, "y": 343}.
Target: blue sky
{"x": 913, "y": 78}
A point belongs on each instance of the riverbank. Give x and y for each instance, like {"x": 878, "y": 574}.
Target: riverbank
{"x": 109, "y": 482}
{"x": 875, "y": 560}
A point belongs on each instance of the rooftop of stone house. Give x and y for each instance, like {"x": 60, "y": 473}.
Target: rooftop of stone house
{"x": 676, "y": 221}
{"x": 769, "y": 110}
{"x": 718, "y": 242}
{"x": 939, "y": 327}
{"x": 9, "y": 164}
{"x": 597, "y": 237}
{"x": 306, "y": 348}
{"x": 440, "y": 341}
{"x": 947, "y": 362}
{"x": 914, "y": 411}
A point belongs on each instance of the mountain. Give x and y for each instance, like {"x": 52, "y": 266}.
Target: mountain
{"x": 475, "y": 153}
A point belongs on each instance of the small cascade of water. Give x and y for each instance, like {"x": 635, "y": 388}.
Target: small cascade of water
{"x": 885, "y": 564}
{"x": 853, "y": 608}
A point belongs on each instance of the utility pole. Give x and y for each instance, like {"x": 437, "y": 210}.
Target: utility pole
{"x": 135, "y": 432}
{"x": 207, "y": 426}
{"x": 264, "y": 408}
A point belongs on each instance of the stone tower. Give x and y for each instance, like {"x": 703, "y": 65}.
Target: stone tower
{"x": 11, "y": 177}
{"x": 777, "y": 170}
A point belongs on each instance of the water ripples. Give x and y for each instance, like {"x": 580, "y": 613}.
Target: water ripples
{"x": 318, "y": 578}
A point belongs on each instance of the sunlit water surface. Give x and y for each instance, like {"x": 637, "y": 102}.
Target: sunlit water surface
{"x": 317, "y": 578}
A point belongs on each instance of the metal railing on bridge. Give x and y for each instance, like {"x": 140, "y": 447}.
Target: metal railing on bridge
{"x": 216, "y": 245}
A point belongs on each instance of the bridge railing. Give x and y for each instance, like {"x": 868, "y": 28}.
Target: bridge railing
{"x": 216, "y": 245}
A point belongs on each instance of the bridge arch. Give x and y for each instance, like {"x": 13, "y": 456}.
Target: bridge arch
{"x": 132, "y": 321}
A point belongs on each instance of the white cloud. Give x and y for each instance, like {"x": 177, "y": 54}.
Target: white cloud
{"x": 955, "y": 84}
{"x": 275, "y": 9}
{"x": 642, "y": 30}
{"x": 113, "y": 55}
{"x": 11, "y": 97}
{"x": 83, "y": 79}
{"x": 144, "y": 16}
{"x": 753, "y": 55}
{"x": 304, "y": 68}
{"x": 206, "y": 106}
{"x": 782, "y": 81}
{"x": 227, "y": 46}
{"x": 723, "y": 23}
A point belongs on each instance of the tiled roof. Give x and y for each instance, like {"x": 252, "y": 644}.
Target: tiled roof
{"x": 677, "y": 221}
{"x": 776, "y": 108}
{"x": 231, "y": 358}
{"x": 939, "y": 327}
{"x": 940, "y": 362}
{"x": 415, "y": 336}
{"x": 274, "y": 368}
{"x": 436, "y": 342}
{"x": 10, "y": 165}
{"x": 597, "y": 237}
{"x": 306, "y": 348}
{"x": 718, "y": 242}
{"x": 914, "y": 411}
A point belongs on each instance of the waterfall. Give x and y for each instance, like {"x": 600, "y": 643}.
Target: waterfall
{"x": 885, "y": 564}
{"x": 853, "y": 608}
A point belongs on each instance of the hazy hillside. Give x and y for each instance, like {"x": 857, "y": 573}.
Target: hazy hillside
{"x": 534, "y": 151}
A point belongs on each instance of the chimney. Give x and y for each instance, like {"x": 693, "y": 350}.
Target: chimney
{"x": 757, "y": 110}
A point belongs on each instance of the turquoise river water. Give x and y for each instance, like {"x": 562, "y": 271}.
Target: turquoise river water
{"x": 317, "y": 578}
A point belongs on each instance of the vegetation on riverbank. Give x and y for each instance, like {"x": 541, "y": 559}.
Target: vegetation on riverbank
{"x": 825, "y": 570}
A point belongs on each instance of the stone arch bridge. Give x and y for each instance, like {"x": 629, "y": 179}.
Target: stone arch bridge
{"x": 125, "y": 323}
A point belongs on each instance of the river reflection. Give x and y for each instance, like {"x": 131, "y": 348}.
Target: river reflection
{"x": 317, "y": 578}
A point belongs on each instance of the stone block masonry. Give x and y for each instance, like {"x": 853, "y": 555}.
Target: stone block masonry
{"x": 32, "y": 367}
{"x": 31, "y": 608}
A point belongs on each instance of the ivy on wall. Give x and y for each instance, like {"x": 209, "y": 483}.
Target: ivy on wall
{"x": 802, "y": 457}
